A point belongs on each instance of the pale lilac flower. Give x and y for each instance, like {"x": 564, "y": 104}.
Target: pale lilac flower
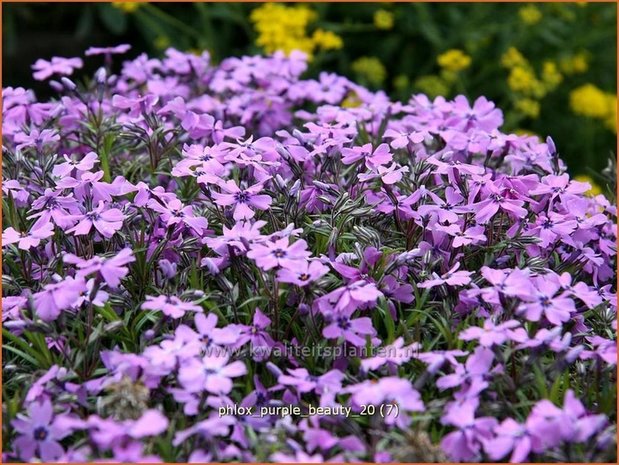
{"x": 106, "y": 221}
{"x": 212, "y": 373}
{"x": 58, "y": 65}
{"x": 27, "y": 240}
{"x": 279, "y": 254}
{"x": 170, "y": 306}
{"x": 242, "y": 199}
{"x": 303, "y": 273}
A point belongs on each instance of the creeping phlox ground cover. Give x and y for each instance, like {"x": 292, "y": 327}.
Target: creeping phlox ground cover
{"x": 231, "y": 263}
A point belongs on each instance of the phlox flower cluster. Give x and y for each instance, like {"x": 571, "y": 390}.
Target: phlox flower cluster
{"x": 168, "y": 222}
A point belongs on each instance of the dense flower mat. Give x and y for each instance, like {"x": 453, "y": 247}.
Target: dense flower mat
{"x": 230, "y": 263}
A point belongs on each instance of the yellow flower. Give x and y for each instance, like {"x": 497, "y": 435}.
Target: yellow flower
{"x": 528, "y": 107}
{"x": 590, "y": 101}
{"x": 281, "y": 27}
{"x": 327, "y": 40}
{"x": 127, "y": 7}
{"x": 383, "y": 19}
{"x": 530, "y": 14}
{"x": 512, "y": 57}
{"x": 611, "y": 120}
{"x": 551, "y": 75}
{"x": 162, "y": 42}
{"x": 454, "y": 60}
{"x": 594, "y": 190}
{"x": 433, "y": 86}
{"x": 575, "y": 64}
{"x": 370, "y": 69}
{"x": 352, "y": 100}
{"x": 521, "y": 79}
{"x": 401, "y": 82}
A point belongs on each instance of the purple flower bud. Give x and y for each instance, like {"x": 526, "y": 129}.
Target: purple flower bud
{"x": 68, "y": 83}
{"x": 56, "y": 86}
{"x": 101, "y": 76}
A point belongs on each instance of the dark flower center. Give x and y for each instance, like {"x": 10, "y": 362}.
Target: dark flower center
{"x": 241, "y": 197}
{"x": 343, "y": 322}
{"x": 304, "y": 277}
{"x": 279, "y": 253}
{"x": 544, "y": 302}
{"x": 40, "y": 433}
{"x": 547, "y": 224}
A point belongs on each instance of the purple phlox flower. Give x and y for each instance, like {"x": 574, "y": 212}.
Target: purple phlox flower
{"x": 36, "y": 138}
{"x": 90, "y": 184}
{"x": 513, "y": 283}
{"x": 173, "y": 212}
{"x": 446, "y": 210}
{"x": 12, "y": 187}
{"x": 353, "y": 330}
{"x": 437, "y": 358}
{"x": 499, "y": 198}
{"x": 354, "y": 295}
{"x": 304, "y": 273}
{"x": 560, "y": 186}
{"x": 165, "y": 357}
{"x": 41, "y": 431}
{"x": 589, "y": 296}
{"x": 303, "y": 381}
{"x": 556, "y": 308}
{"x": 452, "y": 278}
{"x": 66, "y": 168}
{"x": 373, "y": 158}
{"x": 473, "y": 235}
{"x": 464, "y": 444}
{"x": 401, "y": 139}
{"x": 107, "y": 433}
{"x": 27, "y": 239}
{"x": 106, "y": 221}
{"x": 200, "y": 160}
{"x": 135, "y": 105}
{"x": 578, "y": 425}
{"x": 54, "y": 298}
{"x": 395, "y": 354}
{"x": 490, "y": 334}
{"x": 58, "y": 65}
{"x": 111, "y": 269}
{"x": 552, "y": 425}
{"x": 604, "y": 349}
{"x": 212, "y": 373}
{"x": 118, "y": 49}
{"x": 553, "y": 338}
{"x": 392, "y": 390}
{"x": 453, "y": 168}
{"x": 97, "y": 296}
{"x": 511, "y": 436}
{"x": 256, "y": 334}
{"x": 170, "y": 306}
{"x": 388, "y": 174}
{"x": 471, "y": 376}
{"x": 279, "y": 253}
{"x": 39, "y": 390}
{"x": 394, "y": 290}
{"x": 242, "y": 199}
{"x": 210, "y": 428}
{"x": 550, "y": 228}
{"x": 240, "y": 237}
{"x": 482, "y": 115}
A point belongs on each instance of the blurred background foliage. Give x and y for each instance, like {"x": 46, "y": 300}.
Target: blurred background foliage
{"x": 551, "y": 67}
